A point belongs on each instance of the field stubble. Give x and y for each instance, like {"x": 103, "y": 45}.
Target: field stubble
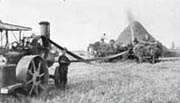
{"x": 121, "y": 82}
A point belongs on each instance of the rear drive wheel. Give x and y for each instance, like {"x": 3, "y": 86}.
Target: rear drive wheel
{"x": 33, "y": 72}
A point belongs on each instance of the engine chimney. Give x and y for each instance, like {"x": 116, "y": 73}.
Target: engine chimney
{"x": 45, "y": 29}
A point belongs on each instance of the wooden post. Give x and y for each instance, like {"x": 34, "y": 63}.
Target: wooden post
{"x": 7, "y": 39}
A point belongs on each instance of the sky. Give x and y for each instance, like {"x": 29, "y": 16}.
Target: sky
{"x": 76, "y": 23}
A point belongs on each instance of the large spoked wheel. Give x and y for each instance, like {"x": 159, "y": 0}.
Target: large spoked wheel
{"x": 32, "y": 71}
{"x": 57, "y": 77}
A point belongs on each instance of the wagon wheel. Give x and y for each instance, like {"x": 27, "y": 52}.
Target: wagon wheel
{"x": 57, "y": 77}
{"x": 32, "y": 71}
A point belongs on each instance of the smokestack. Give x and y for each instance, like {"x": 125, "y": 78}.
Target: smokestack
{"x": 45, "y": 29}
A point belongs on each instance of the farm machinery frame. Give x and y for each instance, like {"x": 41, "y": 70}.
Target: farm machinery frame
{"x": 26, "y": 61}
{"x": 141, "y": 51}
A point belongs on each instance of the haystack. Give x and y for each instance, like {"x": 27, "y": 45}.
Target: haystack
{"x": 139, "y": 32}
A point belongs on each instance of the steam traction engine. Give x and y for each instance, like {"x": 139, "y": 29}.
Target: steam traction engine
{"x": 26, "y": 60}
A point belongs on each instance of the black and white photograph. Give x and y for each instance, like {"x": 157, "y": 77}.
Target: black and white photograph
{"x": 89, "y": 51}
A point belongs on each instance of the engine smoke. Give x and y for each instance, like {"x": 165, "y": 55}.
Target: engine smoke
{"x": 130, "y": 16}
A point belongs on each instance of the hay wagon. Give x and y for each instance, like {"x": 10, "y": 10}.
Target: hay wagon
{"x": 147, "y": 51}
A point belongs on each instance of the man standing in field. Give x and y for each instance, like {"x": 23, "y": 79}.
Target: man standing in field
{"x": 62, "y": 70}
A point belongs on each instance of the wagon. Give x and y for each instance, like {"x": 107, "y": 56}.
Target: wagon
{"x": 147, "y": 51}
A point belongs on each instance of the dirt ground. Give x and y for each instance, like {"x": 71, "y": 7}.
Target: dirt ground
{"x": 120, "y": 82}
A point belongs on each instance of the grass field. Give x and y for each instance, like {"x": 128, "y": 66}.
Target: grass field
{"x": 121, "y": 82}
